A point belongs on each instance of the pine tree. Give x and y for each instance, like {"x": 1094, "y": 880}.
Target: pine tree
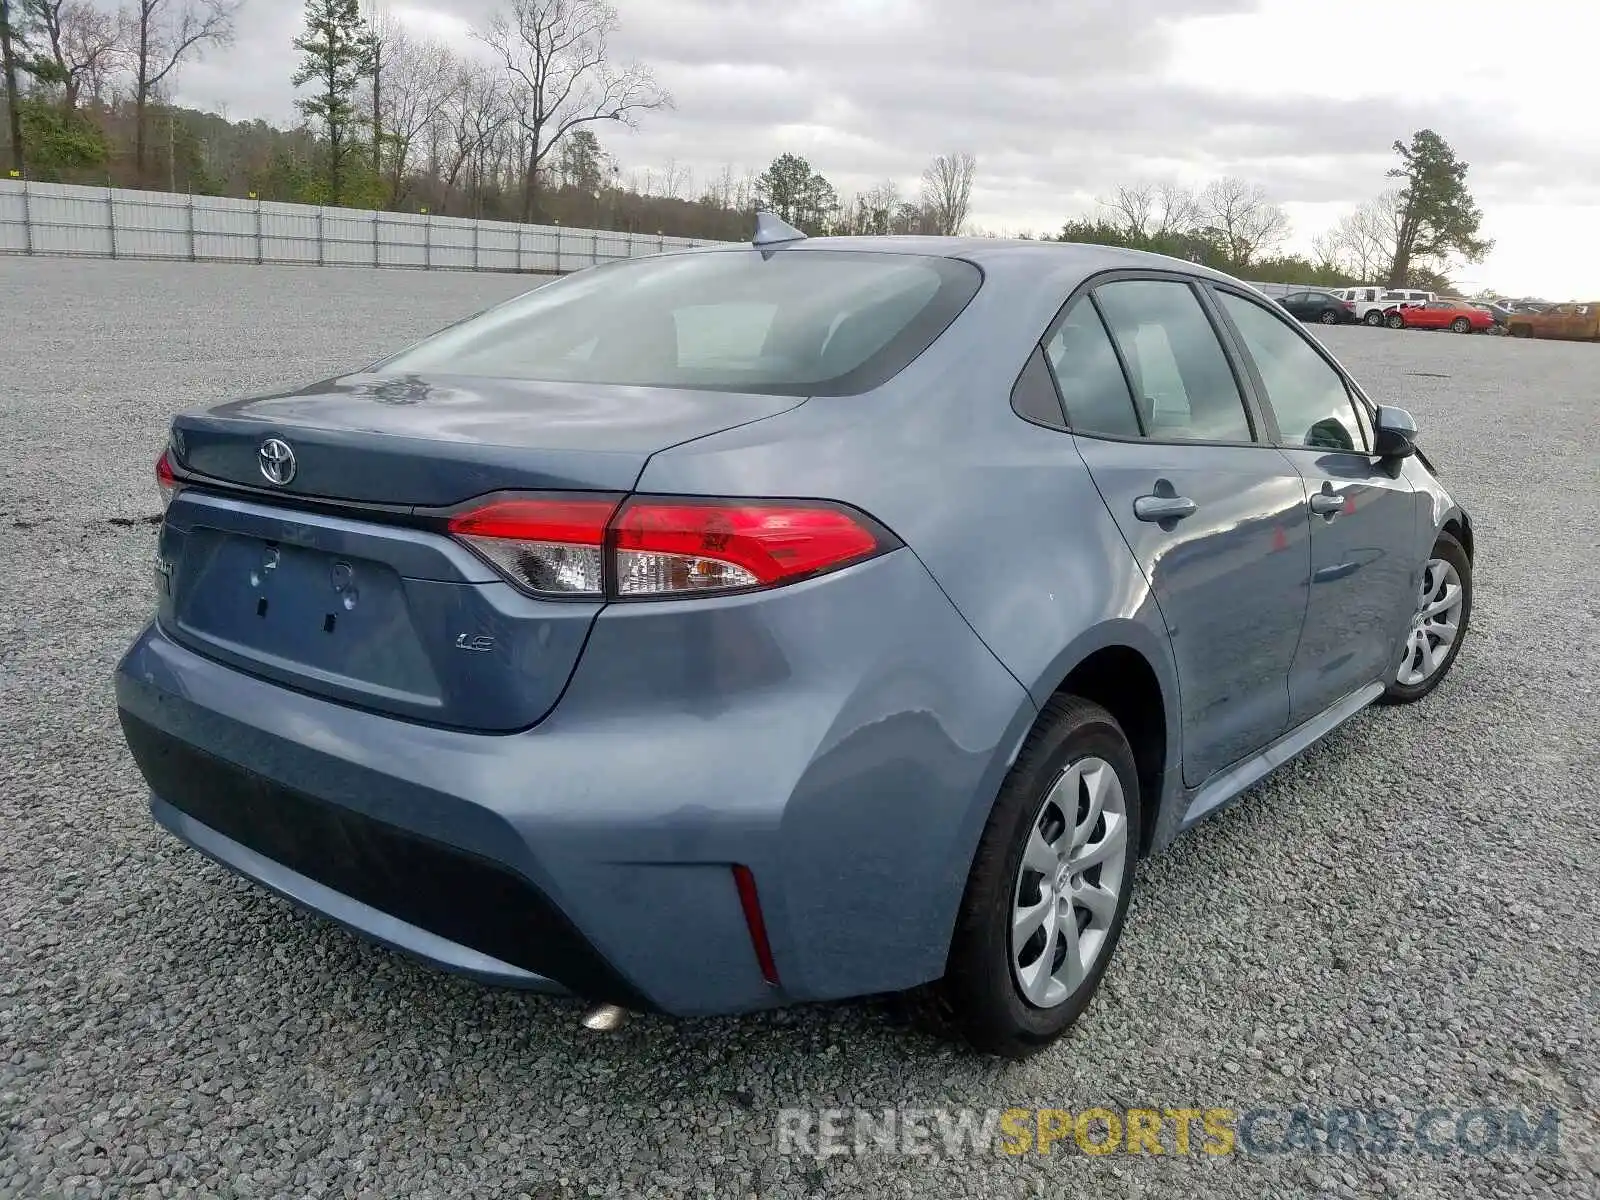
{"x": 1437, "y": 215}
{"x": 338, "y": 51}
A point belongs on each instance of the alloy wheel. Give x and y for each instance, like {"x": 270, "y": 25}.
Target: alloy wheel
{"x": 1073, "y": 870}
{"x": 1435, "y": 624}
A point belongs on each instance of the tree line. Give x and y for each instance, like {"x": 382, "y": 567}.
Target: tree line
{"x": 392, "y": 120}
{"x": 1407, "y": 235}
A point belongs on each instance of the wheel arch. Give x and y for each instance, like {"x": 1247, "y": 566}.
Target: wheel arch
{"x": 1126, "y": 667}
{"x": 1459, "y": 526}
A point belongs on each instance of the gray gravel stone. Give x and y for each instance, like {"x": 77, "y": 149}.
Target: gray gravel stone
{"x": 1404, "y": 918}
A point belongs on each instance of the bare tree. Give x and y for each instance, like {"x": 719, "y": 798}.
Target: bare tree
{"x": 81, "y": 42}
{"x": 473, "y": 113}
{"x": 1243, "y": 219}
{"x": 1327, "y": 250}
{"x": 872, "y": 212}
{"x": 556, "y": 52}
{"x": 164, "y": 31}
{"x": 1176, "y": 208}
{"x": 676, "y": 179}
{"x": 947, "y": 191}
{"x": 1133, "y": 207}
{"x": 1365, "y": 238}
{"x": 383, "y": 32}
{"x": 13, "y": 63}
{"x": 416, "y": 81}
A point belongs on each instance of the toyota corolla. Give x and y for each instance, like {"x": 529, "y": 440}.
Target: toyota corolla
{"x": 783, "y": 622}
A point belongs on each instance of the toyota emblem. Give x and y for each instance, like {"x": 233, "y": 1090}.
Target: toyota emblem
{"x": 276, "y": 459}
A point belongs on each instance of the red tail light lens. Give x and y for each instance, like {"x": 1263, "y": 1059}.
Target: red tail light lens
{"x": 548, "y": 546}
{"x": 166, "y": 481}
{"x": 661, "y": 547}
{"x": 669, "y": 547}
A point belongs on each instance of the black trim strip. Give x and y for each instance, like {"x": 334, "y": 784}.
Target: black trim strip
{"x": 470, "y": 900}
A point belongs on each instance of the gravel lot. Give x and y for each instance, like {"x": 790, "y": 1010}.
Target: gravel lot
{"x": 1404, "y": 919}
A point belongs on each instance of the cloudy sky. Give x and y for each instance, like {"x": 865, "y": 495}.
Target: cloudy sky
{"x": 1061, "y": 100}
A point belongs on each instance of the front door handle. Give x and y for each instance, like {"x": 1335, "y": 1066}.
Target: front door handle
{"x": 1327, "y": 504}
{"x": 1163, "y": 508}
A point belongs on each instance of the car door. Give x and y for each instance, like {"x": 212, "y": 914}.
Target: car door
{"x": 1363, "y": 514}
{"x": 1297, "y": 304}
{"x": 1215, "y": 516}
{"x": 1429, "y": 316}
{"x": 1576, "y": 323}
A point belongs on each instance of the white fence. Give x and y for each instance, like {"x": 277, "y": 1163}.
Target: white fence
{"x": 55, "y": 218}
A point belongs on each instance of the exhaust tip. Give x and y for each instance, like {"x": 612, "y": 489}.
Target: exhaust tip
{"x": 605, "y": 1018}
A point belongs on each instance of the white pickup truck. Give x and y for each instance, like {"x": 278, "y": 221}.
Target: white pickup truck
{"x": 1371, "y": 301}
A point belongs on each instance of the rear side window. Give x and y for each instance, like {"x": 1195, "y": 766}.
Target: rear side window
{"x": 790, "y": 322}
{"x": 1182, "y": 384}
{"x": 1092, "y": 385}
{"x": 1307, "y": 395}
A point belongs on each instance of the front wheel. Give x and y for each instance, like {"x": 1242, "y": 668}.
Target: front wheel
{"x": 1395, "y": 321}
{"x": 1461, "y": 325}
{"x": 1373, "y": 318}
{"x": 1438, "y": 625}
{"x": 1048, "y": 891}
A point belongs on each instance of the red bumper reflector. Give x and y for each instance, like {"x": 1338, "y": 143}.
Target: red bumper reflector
{"x": 751, "y": 903}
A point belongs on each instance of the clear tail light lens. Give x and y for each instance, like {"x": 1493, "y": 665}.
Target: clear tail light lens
{"x": 551, "y": 547}
{"x": 166, "y": 481}
{"x": 663, "y": 547}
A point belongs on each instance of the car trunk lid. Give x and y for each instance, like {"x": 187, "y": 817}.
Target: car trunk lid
{"x": 335, "y": 583}
{"x": 436, "y": 440}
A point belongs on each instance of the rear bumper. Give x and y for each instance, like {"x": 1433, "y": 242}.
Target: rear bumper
{"x": 375, "y": 923}
{"x": 851, "y": 772}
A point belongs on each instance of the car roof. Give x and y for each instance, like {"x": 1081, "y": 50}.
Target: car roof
{"x": 1001, "y": 254}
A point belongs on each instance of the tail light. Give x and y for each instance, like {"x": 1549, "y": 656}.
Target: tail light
{"x": 549, "y": 546}
{"x": 166, "y": 480}
{"x": 664, "y": 547}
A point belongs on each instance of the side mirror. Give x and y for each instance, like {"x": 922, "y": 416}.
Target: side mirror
{"x": 1394, "y": 433}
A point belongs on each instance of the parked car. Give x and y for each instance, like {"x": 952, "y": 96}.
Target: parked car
{"x": 1405, "y": 298}
{"x": 1454, "y": 315}
{"x": 1572, "y": 322}
{"x": 760, "y": 624}
{"x": 1499, "y": 314}
{"x": 1322, "y": 307}
{"x": 1367, "y": 301}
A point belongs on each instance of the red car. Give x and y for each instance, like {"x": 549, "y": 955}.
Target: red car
{"x": 1440, "y": 314}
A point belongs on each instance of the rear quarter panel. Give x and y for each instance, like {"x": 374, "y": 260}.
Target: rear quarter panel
{"x": 1001, "y": 512}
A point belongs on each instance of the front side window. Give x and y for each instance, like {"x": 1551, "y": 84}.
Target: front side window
{"x": 792, "y": 322}
{"x": 1182, "y": 383}
{"x": 1307, "y": 395}
{"x": 1092, "y": 386}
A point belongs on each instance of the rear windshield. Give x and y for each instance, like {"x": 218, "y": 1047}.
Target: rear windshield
{"x": 791, "y": 322}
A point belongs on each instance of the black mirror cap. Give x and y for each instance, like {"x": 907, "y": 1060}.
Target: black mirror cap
{"x": 1394, "y": 433}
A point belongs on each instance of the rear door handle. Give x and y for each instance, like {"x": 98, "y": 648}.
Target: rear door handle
{"x": 1327, "y": 504}
{"x": 1163, "y": 508}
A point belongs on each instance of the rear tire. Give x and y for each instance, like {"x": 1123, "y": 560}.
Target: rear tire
{"x": 1328, "y": 317}
{"x": 1522, "y": 331}
{"x": 1395, "y": 321}
{"x": 1373, "y": 318}
{"x": 1422, "y": 667}
{"x": 1461, "y": 325}
{"x": 1062, "y": 766}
